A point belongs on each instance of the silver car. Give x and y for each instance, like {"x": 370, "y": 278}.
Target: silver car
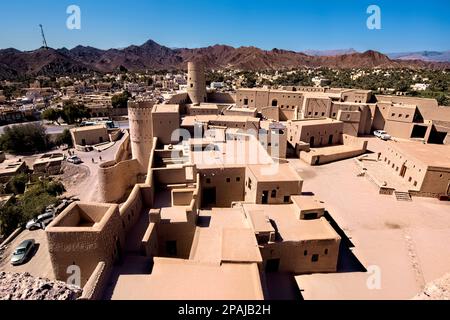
{"x": 383, "y": 135}
{"x": 41, "y": 221}
{"x": 74, "y": 160}
{"x": 22, "y": 252}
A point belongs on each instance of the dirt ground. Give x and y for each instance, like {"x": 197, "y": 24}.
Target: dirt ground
{"x": 406, "y": 243}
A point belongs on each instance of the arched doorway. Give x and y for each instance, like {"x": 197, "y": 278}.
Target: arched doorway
{"x": 274, "y": 103}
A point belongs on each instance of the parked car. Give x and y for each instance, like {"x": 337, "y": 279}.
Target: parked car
{"x": 383, "y": 135}
{"x": 22, "y": 252}
{"x": 74, "y": 160}
{"x": 41, "y": 221}
{"x": 64, "y": 204}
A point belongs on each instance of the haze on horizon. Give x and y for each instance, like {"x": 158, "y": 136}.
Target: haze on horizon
{"x": 285, "y": 24}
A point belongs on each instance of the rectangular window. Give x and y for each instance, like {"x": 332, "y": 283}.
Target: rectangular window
{"x": 315, "y": 258}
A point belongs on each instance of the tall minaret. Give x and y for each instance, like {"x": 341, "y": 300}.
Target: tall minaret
{"x": 196, "y": 82}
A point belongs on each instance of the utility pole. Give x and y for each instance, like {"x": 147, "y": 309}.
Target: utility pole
{"x": 44, "y": 42}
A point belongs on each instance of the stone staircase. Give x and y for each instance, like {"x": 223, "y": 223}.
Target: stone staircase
{"x": 402, "y": 196}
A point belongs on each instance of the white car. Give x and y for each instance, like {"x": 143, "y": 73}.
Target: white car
{"x": 383, "y": 135}
{"x": 41, "y": 221}
{"x": 74, "y": 160}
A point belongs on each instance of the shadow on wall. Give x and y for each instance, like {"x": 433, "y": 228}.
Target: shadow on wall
{"x": 282, "y": 286}
{"x": 347, "y": 261}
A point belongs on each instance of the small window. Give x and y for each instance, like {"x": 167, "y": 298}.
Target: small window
{"x": 323, "y": 114}
{"x": 208, "y": 180}
{"x": 305, "y": 253}
{"x": 315, "y": 258}
{"x": 399, "y": 115}
{"x": 393, "y": 115}
{"x": 407, "y": 116}
{"x": 410, "y": 179}
{"x": 316, "y": 113}
{"x": 326, "y": 251}
{"x": 273, "y": 194}
{"x": 415, "y": 183}
{"x": 238, "y": 179}
{"x": 334, "y": 114}
{"x": 287, "y": 199}
{"x": 228, "y": 180}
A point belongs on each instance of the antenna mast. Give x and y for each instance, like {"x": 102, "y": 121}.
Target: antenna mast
{"x": 44, "y": 42}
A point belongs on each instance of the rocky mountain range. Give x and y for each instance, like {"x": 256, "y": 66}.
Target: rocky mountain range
{"x": 153, "y": 56}
{"x": 436, "y": 56}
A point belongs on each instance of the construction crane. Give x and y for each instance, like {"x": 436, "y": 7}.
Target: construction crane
{"x": 44, "y": 42}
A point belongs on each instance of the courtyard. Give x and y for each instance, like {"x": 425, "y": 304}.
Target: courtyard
{"x": 406, "y": 243}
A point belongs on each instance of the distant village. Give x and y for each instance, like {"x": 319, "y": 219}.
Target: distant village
{"x": 24, "y": 101}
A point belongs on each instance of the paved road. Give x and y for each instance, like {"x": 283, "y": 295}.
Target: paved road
{"x": 39, "y": 265}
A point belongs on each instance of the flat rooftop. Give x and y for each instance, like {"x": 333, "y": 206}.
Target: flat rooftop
{"x": 314, "y": 122}
{"x": 55, "y": 157}
{"x": 235, "y": 118}
{"x": 260, "y": 222}
{"x": 224, "y": 235}
{"x": 166, "y": 108}
{"x": 289, "y": 227}
{"x": 203, "y": 106}
{"x": 177, "y": 279}
{"x": 274, "y": 172}
{"x": 10, "y": 166}
{"x": 89, "y": 128}
{"x": 189, "y": 121}
{"x": 231, "y": 153}
{"x": 432, "y": 155}
{"x": 307, "y": 203}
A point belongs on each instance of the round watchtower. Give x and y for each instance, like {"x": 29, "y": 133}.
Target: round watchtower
{"x": 196, "y": 82}
{"x": 141, "y": 136}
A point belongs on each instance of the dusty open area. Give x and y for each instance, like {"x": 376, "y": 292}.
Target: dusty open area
{"x": 407, "y": 241}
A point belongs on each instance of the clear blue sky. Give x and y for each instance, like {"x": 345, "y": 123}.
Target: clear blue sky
{"x": 287, "y": 24}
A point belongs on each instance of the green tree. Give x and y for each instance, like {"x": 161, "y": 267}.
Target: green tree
{"x": 18, "y": 184}
{"x": 11, "y": 217}
{"x": 120, "y": 100}
{"x": 442, "y": 99}
{"x": 39, "y": 196}
{"x": 52, "y": 115}
{"x": 74, "y": 112}
{"x": 65, "y": 138}
{"x": 26, "y": 138}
